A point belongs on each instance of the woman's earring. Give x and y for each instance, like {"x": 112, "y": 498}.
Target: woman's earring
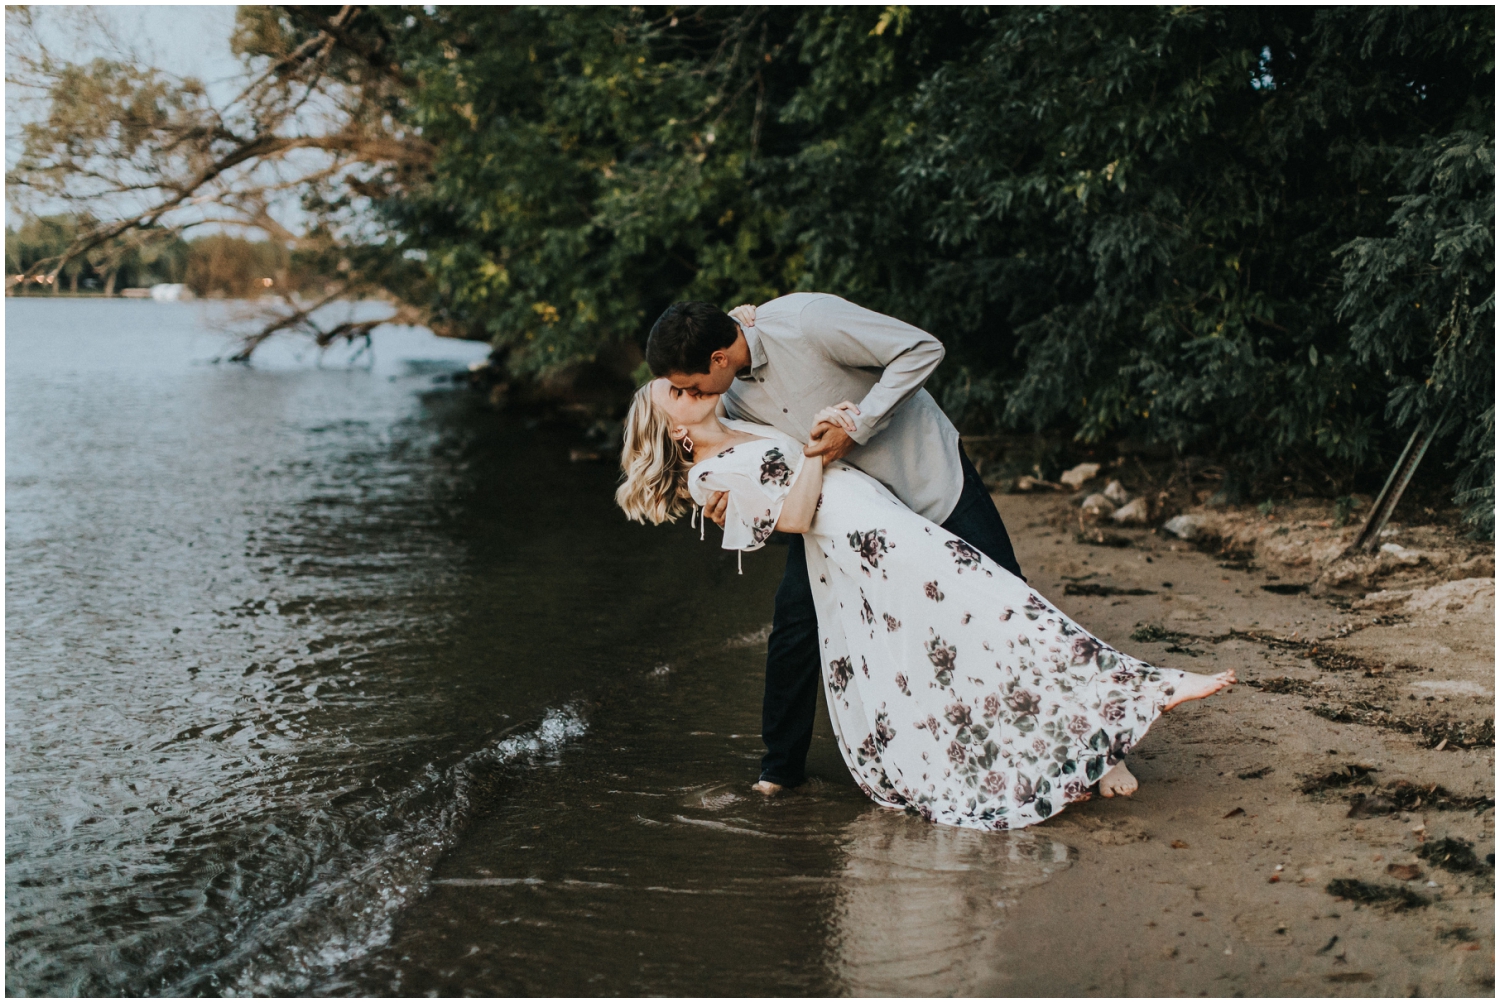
{"x": 687, "y": 445}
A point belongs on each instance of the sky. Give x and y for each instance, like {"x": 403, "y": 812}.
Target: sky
{"x": 188, "y": 40}
{"x": 185, "y": 40}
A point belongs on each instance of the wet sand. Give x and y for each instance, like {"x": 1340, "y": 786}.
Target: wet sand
{"x": 1214, "y": 878}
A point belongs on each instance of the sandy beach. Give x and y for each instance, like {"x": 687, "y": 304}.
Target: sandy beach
{"x": 1360, "y": 740}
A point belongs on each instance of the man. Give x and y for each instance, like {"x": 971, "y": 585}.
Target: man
{"x": 780, "y": 363}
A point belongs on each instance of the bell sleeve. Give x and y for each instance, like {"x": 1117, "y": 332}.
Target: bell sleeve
{"x": 757, "y": 482}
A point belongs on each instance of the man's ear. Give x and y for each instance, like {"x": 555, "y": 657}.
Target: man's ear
{"x": 719, "y": 358}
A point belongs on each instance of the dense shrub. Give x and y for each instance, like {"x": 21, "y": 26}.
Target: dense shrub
{"x": 1260, "y": 232}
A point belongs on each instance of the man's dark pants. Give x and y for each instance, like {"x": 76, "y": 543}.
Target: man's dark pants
{"x": 793, "y": 666}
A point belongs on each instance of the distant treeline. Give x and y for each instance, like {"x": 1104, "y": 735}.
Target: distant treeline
{"x": 215, "y": 266}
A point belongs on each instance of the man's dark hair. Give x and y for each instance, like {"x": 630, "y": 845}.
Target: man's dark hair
{"x": 685, "y": 335}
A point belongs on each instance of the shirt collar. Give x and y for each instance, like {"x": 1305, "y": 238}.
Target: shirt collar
{"x": 757, "y": 350}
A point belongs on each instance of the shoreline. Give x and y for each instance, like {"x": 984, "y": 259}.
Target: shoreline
{"x": 1213, "y": 880}
{"x": 1256, "y": 802}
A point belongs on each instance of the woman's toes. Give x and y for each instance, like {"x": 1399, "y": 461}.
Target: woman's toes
{"x": 1118, "y": 781}
{"x": 1196, "y": 687}
{"x": 767, "y": 788}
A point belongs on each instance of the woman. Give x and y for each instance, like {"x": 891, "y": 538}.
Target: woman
{"x": 955, "y": 690}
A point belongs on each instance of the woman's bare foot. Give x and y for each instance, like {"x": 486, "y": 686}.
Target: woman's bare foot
{"x": 767, "y": 788}
{"x": 1196, "y": 687}
{"x": 1118, "y": 780}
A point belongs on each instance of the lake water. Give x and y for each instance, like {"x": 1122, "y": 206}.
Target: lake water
{"x": 324, "y": 677}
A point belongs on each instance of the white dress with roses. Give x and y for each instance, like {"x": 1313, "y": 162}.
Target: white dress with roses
{"x": 956, "y": 690}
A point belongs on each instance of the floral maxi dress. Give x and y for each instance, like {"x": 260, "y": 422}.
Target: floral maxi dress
{"x": 956, "y": 690}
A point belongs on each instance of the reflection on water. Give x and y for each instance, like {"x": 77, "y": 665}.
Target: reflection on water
{"x": 215, "y": 576}
{"x": 640, "y": 862}
{"x": 265, "y": 626}
{"x": 643, "y": 864}
{"x": 919, "y": 906}
{"x": 327, "y": 679}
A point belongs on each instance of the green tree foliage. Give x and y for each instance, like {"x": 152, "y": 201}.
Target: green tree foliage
{"x": 1422, "y": 303}
{"x": 36, "y": 239}
{"x": 1128, "y": 216}
{"x": 1172, "y": 223}
{"x": 591, "y": 169}
{"x": 235, "y": 268}
{"x": 219, "y": 265}
{"x": 1259, "y": 232}
{"x": 137, "y": 260}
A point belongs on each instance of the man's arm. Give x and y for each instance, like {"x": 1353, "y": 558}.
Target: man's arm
{"x": 864, "y": 339}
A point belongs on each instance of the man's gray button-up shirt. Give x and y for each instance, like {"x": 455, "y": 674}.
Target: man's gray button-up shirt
{"x": 812, "y": 350}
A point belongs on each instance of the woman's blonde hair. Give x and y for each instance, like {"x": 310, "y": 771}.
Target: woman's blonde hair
{"x": 654, "y": 486}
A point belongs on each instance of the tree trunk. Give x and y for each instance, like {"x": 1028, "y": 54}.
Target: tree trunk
{"x": 73, "y": 281}
{"x": 109, "y": 281}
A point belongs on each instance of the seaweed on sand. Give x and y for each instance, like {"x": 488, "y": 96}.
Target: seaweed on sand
{"x": 1392, "y": 897}
{"x": 1091, "y": 589}
{"x": 1400, "y": 795}
{"x": 1455, "y": 855}
{"x": 1154, "y": 633}
{"x": 1348, "y": 775}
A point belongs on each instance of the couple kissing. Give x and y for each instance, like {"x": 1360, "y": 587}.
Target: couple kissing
{"x": 956, "y": 690}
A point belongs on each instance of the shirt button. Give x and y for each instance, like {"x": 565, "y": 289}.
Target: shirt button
{"x": 783, "y": 410}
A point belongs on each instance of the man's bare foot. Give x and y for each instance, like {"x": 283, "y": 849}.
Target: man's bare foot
{"x": 767, "y": 788}
{"x": 1118, "y": 781}
{"x": 1196, "y": 687}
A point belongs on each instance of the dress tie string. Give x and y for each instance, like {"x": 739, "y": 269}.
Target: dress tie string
{"x": 702, "y": 522}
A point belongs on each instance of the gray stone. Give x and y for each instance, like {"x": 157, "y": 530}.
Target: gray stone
{"x": 1187, "y": 527}
{"x": 1080, "y": 475}
{"x": 1137, "y": 513}
{"x": 1097, "y": 506}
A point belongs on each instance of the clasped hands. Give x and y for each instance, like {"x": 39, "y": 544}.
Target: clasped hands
{"x": 831, "y": 436}
{"x": 829, "y": 440}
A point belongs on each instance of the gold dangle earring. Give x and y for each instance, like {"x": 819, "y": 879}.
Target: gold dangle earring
{"x": 686, "y": 443}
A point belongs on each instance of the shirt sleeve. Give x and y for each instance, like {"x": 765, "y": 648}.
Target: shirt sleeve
{"x": 757, "y": 477}
{"x": 864, "y": 339}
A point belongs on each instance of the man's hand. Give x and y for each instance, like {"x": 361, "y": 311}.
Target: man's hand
{"x": 718, "y": 504}
{"x": 830, "y": 442}
{"x": 842, "y": 415}
{"x": 744, "y": 314}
